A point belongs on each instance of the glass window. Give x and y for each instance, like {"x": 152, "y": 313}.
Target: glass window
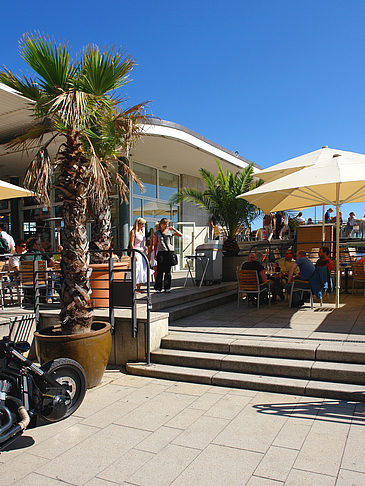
{"x": 37, "y": 221}
{"x": 137, "y": 208}
{"x": 156, "y": 210}
{"x": 148, "y": 176}
{"x": 168, "y": 185}
{"x": 4, "y": 204}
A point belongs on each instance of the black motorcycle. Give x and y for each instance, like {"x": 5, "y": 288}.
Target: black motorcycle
{"x": 52, "y": 392}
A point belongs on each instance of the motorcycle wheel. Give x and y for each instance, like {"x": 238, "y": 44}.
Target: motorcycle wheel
{"x": 71, "y": 374}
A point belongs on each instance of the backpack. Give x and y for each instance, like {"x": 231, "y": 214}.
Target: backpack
{"x": 4, "y": 246}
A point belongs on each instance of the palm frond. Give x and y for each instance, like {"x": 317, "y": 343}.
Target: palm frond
{"x": 51, "y": 61}
{"x": 39, "y": 175}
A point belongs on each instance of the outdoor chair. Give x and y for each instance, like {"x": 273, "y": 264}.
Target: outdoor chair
{"x": 8, "y": 283}
{"x": 27, "y": 273}
{"x": 249, "y": 284}
{"x": 302, "y": 286}
{"x": 358, "y": 274}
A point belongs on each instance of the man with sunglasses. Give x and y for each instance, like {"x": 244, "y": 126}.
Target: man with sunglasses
{"x": 20, "y": 248}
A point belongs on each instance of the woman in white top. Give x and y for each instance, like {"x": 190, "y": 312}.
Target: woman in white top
{"x": 137, "y": 240}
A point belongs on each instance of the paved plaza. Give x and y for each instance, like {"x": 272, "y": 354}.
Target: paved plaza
{"x": 142, "y": 431}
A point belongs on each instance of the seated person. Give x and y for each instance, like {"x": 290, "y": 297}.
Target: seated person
{"x": 306, "y": 269}
{"x": 20, "y": 248}
{"x": 286, "y": 263}
{"x": 36, "y": 252}
{"x": 324, "y": 259}
{"x": 253, "y": 264}
{"x": 278, "y": 282}
{"x": 362, "y": 260}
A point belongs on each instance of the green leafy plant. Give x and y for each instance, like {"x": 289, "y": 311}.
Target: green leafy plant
{"x": 68, "y": 99}
{"x": 220, "y": 200}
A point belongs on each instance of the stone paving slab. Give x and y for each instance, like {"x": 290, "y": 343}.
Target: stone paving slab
{"x": 150, "y": 432}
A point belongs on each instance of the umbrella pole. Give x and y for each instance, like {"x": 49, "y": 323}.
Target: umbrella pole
{"x": 323, "y": 232}
{"x": 338, "y": 281}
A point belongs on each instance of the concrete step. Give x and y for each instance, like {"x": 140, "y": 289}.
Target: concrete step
{"x": 259, "y": 365}
{"x": 296, "y": 386}
{"x": 327, "y": 351}
{"x": 190, "y": 294}
{"x": 193, "y": 307}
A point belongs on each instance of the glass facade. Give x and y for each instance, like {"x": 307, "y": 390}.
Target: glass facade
{"x": 153, "y": 202}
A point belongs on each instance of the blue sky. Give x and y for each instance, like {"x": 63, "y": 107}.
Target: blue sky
{"x": 272, "y": 79}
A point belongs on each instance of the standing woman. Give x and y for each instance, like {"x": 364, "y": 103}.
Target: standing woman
{"x": 137, "y": 240}
{"x": 152, "y": 251}
{"x": 164, "y": 248}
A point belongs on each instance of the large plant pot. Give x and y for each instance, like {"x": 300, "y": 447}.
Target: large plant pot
{"x": 99, "y": 281}
{"x": 90, "y": 349}
{"x": 230, "y": 264}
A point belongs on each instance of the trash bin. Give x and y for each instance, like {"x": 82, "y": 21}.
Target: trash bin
{"x": 213, "y": 251}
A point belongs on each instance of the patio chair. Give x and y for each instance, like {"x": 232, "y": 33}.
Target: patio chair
{"x": 358, "y": 274}
{"x": 8, "y": 283}
{"x": 302, "y": 286}
{"x": 27, "y": 273}
{"x": 249, "y": 284}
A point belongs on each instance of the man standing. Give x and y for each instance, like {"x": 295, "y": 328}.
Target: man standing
{"x": 327, "y": 216}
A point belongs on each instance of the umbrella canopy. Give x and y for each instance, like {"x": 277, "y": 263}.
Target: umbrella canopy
{"x": 10, "y": 191}
{"x": 338, "y": 180}
{"x": 297, "y": 163}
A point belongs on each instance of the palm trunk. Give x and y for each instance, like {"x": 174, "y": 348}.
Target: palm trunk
{"x": 76, "y": 311}
{"x": 101, "y": 234}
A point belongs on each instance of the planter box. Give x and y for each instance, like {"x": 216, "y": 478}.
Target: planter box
{"x": 230, "y": 264}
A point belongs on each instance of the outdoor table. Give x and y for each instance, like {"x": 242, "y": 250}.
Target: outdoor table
{"x": 203, "y": 260}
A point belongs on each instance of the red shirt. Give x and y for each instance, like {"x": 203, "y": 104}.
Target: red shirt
{"x": 325, "y": 262}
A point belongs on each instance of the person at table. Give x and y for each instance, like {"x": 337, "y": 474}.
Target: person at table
{"x": 20, "y": 249}
{"x": 36, "y": 252}
{"x": 324, "y": 258}
{"x": 163, "y": 245}
{"x": 283, "y": 265}
{"x": 306, "y": 270}
{"x": 253, "y": 264}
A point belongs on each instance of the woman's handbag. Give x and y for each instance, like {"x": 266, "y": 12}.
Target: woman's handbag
{"x": 172, "y": 258}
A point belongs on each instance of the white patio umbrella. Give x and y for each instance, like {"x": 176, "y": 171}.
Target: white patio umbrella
{"x": 297, "y": 163}
{"x": 10, "y": 191}
{"x": 338, "y": 180}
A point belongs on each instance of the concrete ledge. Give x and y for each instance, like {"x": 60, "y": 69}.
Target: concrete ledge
{"x": 275, "y": 350}
{"x": 124, "y": 346}
{"x": 177, "y": 373}
{"x": 339, "y": 372}
{"x": 341, "y": 391}
{"x": 350, "y": 353}
{"x": 196, "y": 343}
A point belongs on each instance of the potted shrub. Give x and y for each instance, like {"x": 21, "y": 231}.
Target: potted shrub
{"x": 67, "y": 99}
{"x": 220, "y": 200}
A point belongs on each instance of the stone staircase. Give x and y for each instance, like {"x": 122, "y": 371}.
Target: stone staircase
{"x": 328, "y": 370}
{"x": 191, "y": 300}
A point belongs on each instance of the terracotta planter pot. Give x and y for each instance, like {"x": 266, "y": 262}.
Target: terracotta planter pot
{"x": 99, "y": 281}
{"x": 90, "y": 349}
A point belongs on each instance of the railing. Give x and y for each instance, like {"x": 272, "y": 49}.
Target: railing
{"x": 121, "y": 293}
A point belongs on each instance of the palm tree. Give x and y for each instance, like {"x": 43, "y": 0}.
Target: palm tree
{"x": 220, "y": 200}
{"x": 68, "y": 97}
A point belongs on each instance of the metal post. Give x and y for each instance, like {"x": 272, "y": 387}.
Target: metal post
{"x": 36, "y": 288}
{"x": 111, "y": 308}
